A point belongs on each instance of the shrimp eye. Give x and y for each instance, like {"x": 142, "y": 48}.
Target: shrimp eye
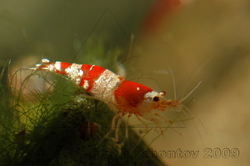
{"x": 156, "y": 98}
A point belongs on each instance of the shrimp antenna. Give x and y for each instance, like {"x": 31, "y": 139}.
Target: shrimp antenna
{"x": 184, "y": 98}
{"x": 173, "y": 82}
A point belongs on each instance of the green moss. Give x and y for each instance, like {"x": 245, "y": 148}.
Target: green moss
{"x": 50, "y": 135}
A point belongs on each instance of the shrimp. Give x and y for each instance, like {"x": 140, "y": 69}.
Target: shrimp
{"x": 124, "y": 97}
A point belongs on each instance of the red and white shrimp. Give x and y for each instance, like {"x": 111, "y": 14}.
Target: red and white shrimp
{"x": 125, "y": 97}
